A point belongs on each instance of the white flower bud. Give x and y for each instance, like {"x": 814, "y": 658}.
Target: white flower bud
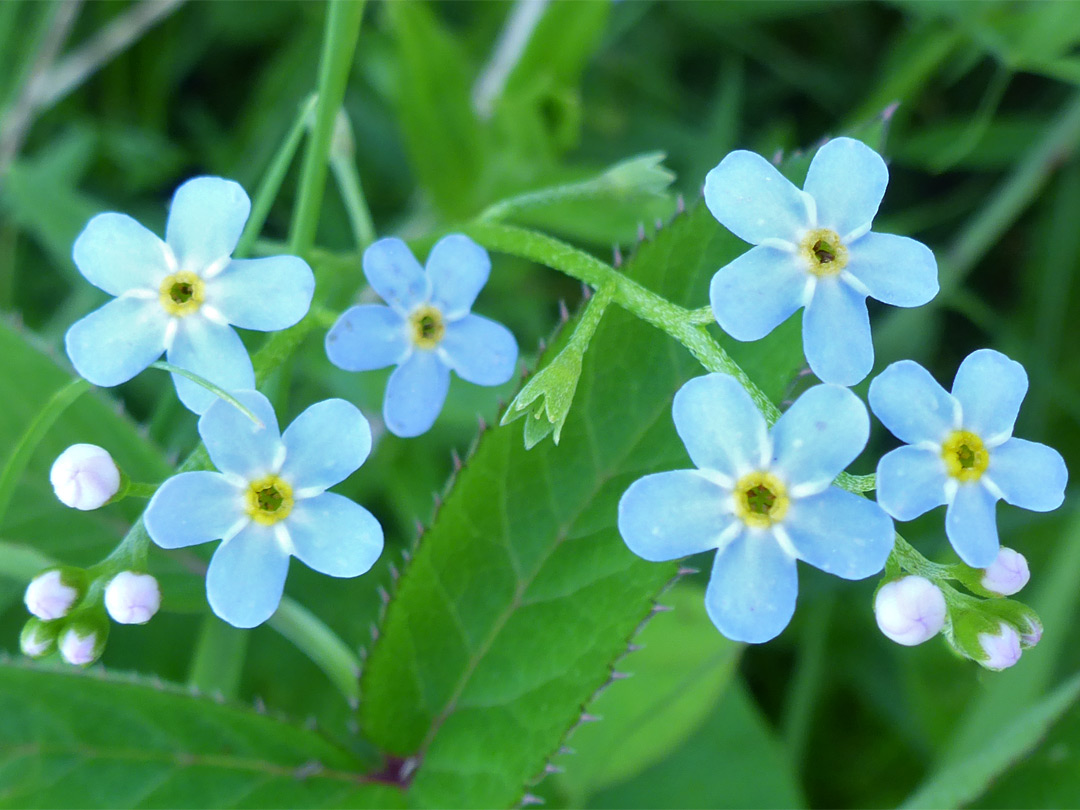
{"x": 1032, "y": 635}
{"x": 84, "y": 476}
{"x": 48, "y": 597}
{"x": 1002, "y": 649}
{"x": 132, "y": 598}
{"x": 37, "y": 639}
{"x": 910, "y": 610}
{"x": 81, "y": 645}
{"x": 1007, "y": 574}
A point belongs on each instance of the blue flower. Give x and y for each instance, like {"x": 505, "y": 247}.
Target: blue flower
{"x": 269, "y": 502}
{"x": 814, "y": 249}
{"x": 181, "y": 295}
{"x": 960, "y": 451}
{"x": 426, "y": 331}
{"x": 762, "y": 498}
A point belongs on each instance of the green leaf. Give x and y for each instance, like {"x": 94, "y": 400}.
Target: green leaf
{"x": 522, "y": 595}
{"x": 683, "y": 666}
{"x": 73, "y": 738}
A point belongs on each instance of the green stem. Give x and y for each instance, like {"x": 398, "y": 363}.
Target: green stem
{"x": 590, "y": 318}
{"x": 219, "y": 658}
{"x": 35, "y": 432}
{"x": 347, "y": 177}
{"x": 216, "y": 390}
{"x": 339, "y": 45}
{"x": 308, "y": 633}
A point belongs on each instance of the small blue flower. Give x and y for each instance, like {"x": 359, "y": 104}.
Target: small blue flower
{"x": 960, "y": 451}
{"x": 814, "y": 249}
{"x": 181, "y": 295}
{"x": 762, "y": 498}
{"x": 426, "y": 331}
{"x": 269, "y": 502}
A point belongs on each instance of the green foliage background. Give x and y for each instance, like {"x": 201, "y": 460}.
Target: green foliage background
{"x": 495, "y": 673}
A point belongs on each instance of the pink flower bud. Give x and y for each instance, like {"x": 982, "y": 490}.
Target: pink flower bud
{"x": 1007, "y": 574}
{"x": 84, "y": 476}
{"x": 910, "y": 610}
{"x": 81, "y": 646}
{"x": 1002, "y": 648}
{"x": 132, "y": 598}
{"x": 48, "y": 597}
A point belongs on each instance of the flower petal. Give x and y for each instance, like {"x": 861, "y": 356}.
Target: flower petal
{"x": 368, "y": 337}
{"x": 458, "y": 269}
{"x": 117, "y": 254}
{"x": 265, "y": 294}
{"x": 912, "y": 404}
{"x": 325, "y": 444}
{"x": 990, "y": 388}
{"x": 836, "y": 334}
{"x": 246, "y": 577}
{"x": 1030, "y": 475}
{"x": 753, "y": 200}
{"x": 396, "y": 275}
{"x": 213, "y": 351}
{"x": 757, "y": 292}
{"x": 674, "y": 514}
{"x": 206, "y": 219}
{"x": 192, "y": 508}
{"x": 415, "y": 394}
{"x": 236, "y": 444}
{"x": 113, "y": 344}
{"x": 971, "y": 525}
{"x": 720, "y": 425}
{"x": 751, "y": 594}
{"x": 910, "y": 482}
{"x": 895, "y": 269}
{"x": 481, "y": 351}
{"x": 847, "y": 180}
{"x": 335, "y": 536}
{"x": 820, "y": 435}
{"x": 841, "y": 533}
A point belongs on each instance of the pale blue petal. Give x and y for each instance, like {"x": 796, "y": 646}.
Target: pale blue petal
{"x": 206, "y": 219}
{"x": 971, "y": 525}
{"x": 236, "y": 444}
{"x": 113, "y": 344}
{"x": 265, "y": 294}
{"x": 213, "y": 351}
{"x": 910, "y": 482}
{"x": 836, "y": 334}
{"x": 757, "y": 292}
{"x": 415, "y": 394}
{"x": 820, "y": 435}
{"x": 895, "y": 269}
{"x": 192, "y": 508}
{"x": 368, "y": 337}
{"x": 325, "y": 444}
{"x": 720, "y": 425}
{"x": 990, "y": 388}
{"x": 117, "y": 254}
{"x": 458, "y": 269}
{"x": 479, "y": 350}
{"x": 673, "y": 514}
{"x": 841, "y": 533}
{"x": 753, "y": 200}
{"x": 396, "y": 275}
{"x": 335, "y": 536}
{"x": 1030, "y": 475}
{"x": 911, "y": 404}
{"x": 847, "y": 180}
{"x": 246, "y": 577}
{"x": 751, "y": 594}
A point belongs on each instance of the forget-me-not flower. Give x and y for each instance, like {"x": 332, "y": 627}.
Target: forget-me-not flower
{"x": 269, "y": 502}
{"x": 183, "y": 295}
{"x": 426, "y": 331}
{"x": 762, "y": 498}
{"x": 813, "y": 249}
{"x": 960, "y": 450}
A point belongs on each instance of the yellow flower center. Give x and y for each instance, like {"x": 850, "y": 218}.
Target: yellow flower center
{"x": 823, "y": 252}
{"x": 182, "y": 293}
{"x": 269, "y": 500}
{"x": 761, "y": 500}
{"x": 428, "y": 327}
{"x": 965, "y": 455}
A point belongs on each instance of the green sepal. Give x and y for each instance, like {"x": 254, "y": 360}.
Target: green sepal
{"x": 547, "y": 397}
{"x": 1023, "y": 618}
{"x": 84, "y": 623}
{"x": 38, "y": 638}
